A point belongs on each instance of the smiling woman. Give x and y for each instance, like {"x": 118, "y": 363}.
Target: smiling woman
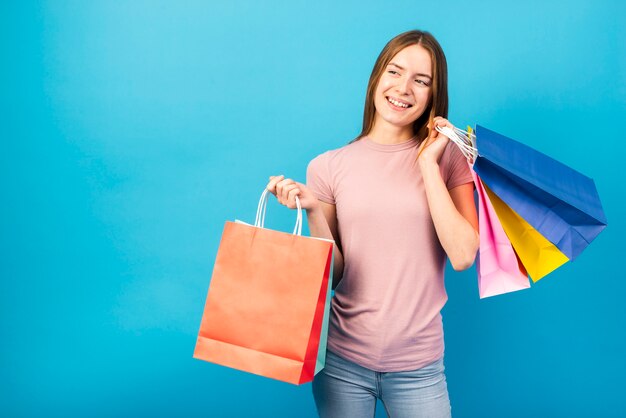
{"x": 397, "y": 201}
{"x": 416, "y": 59}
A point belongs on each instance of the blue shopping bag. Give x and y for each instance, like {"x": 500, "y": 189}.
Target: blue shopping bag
{"x": 559, "y": 202}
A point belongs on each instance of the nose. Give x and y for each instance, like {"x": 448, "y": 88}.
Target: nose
{"x": 403, "y": 86}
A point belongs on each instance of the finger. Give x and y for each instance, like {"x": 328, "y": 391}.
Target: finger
{"x": 291, "y": 197}
{"x": 433, "y": 132}
{"x": 441, "y": 122}
{"x": 271, "y": 186}
{"x": 283, "y": 194}
{"x": 280, "y": 185}
{"x": 285, "y": 191}
{"x": 284, "y": 183}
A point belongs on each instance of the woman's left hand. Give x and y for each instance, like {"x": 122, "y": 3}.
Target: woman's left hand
{"x": 431, "y": 149}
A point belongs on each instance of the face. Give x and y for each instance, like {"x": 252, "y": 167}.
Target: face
{"x": 404, "y": 88}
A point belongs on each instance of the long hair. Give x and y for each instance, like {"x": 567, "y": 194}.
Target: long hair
{"x": 438, "y": 103}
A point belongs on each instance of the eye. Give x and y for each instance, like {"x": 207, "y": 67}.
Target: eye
{"x": 423, "y": 82}
{"x": 392, "y": 72}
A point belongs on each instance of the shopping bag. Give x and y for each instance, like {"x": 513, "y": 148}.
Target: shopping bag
{"x": 538, "y": 255}
{"x": 558, "y": 202}
{"x": 498, "y": 267}
{"x": 267, "y": 306}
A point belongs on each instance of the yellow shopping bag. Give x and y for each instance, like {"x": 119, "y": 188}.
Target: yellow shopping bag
{"x": 538, "y": 255}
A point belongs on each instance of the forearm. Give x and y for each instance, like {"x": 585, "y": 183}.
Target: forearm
{"x": 318, "y": 227}
{"x": 456, "y": 234}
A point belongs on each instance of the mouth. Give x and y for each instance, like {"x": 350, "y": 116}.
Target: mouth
{"x": 398, "y": 104}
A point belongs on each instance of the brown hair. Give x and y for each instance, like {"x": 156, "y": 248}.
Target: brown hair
{"x": 438, "y": 105}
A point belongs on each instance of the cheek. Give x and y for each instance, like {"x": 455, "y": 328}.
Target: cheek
{"x": 383, "y": 85}
{"x": 379, "y": 96}
{"x": 422, "y": 96}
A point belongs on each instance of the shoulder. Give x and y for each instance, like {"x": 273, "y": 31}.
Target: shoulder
{"x": 454, "y": 166}
{"x": 451, "y": 154}
{"x": 335, "y": 156}
{"x": 321, "y": 173}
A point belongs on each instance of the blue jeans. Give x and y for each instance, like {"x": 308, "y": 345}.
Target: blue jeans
{"x": 344, "y": 389}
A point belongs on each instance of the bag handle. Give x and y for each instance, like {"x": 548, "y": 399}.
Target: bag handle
{"x": 261, "y": 209}
{"x": 465, "y": 140}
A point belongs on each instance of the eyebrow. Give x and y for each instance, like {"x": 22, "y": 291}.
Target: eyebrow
{"x": 401, "y": 68}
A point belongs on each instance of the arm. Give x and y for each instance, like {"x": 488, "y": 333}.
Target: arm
{"x": 323, "y": 224}
{"x": 453, "y": 212}
{"x": 454, "y": 216}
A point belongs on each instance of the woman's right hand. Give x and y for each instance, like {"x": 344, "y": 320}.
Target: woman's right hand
{"x": 286, "y": 191}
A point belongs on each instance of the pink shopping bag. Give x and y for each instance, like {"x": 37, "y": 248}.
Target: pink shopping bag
{"x": 499, "y": 268}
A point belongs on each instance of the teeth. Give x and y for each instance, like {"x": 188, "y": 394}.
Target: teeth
{"x": 397, "y": 103}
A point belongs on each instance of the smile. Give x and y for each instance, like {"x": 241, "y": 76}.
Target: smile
{"x": 398, "y": 103}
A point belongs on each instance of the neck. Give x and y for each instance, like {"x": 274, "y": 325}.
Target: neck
{"x": 390, "y": 134}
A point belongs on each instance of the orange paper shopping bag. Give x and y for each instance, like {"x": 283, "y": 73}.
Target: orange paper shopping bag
{"x": 267, "y": 305}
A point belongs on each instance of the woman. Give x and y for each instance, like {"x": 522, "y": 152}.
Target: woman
{"x": 397, "y": 200}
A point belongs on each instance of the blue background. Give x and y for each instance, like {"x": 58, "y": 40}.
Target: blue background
{"x": 130, "y": 131}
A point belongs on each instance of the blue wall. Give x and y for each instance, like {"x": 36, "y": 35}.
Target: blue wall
{"x": 130, "y": 131}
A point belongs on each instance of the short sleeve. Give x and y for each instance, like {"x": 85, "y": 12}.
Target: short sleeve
{"x": 318, "y": 178}
{"x": 456, "y": 170}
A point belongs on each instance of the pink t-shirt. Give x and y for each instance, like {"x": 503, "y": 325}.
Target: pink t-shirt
{"x": 385, "y": 314}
